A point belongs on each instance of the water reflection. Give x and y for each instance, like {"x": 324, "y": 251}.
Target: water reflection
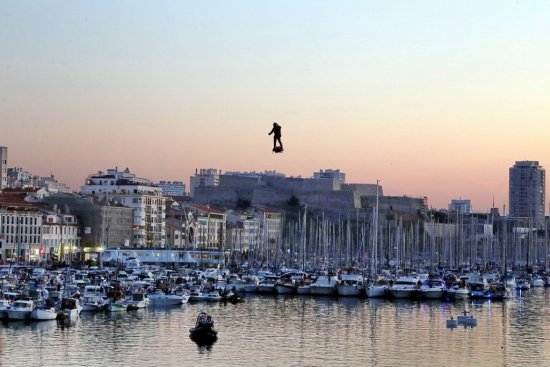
{"x": 292, "y": 330}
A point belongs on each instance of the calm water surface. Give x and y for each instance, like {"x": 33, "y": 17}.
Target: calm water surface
{"x": 294, "y": 331}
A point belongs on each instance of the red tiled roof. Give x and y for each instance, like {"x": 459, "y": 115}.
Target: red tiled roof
{"x": 15, "y": 200}
{"x": 20, "y": 190}
{"x": 206, "y": 209}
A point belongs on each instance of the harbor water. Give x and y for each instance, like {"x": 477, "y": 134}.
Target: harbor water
{"x": 294, "y": 331}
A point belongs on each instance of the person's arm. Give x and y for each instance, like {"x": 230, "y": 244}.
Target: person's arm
{"x": 271, "y": 132}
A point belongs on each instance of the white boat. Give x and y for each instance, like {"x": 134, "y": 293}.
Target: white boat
{"x": 21, "y": 310}
{"x": 538, "y": 281}
{"x": 349, "y": 285}
{"x": 288, "y": 282}
{"x": 459, "y": 292}
{"x": 324, "y": 285}
{"x": 70, "y": 308}
{"x": 4, "y": 305}
{"x": 285, "y": 287}
{"x": 92, "y": 303}
{"x": 477, "y": 284}
{"x": 116, "y": 307}
{"x": 250, "y": 285}
{"x": 93, "y": 298}
{"x": 160, "y": 298}
{"x": 509, "y": 281}
{"x": 205, "y": 296}
{"x": 267, "y": 284}
{"x": 433, "y": 289}
{"x": 522, "y": 284}
{"x": 44, "y": 313}
{"x": 405, "y": 287}
{"x": 138, "y": 300}
{"x": 378, "y": 288}
{"x": 304, "y": 289}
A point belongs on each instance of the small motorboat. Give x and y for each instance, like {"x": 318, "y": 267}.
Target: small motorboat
{"x": 43, "y": 312}
{"x": 21, "y": 310}
{"x": 204, "y": 333}
{"x": 70, "y": 308}
{"x": 116, "y": 307}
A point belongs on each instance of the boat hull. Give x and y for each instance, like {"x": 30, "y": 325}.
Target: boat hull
{"x": 203, "y": 335}
{"x": 116, "y": 307}
{"x": 432, "y": 293}
{"x": 43, "y": 314}
{"x": 376, "y": 291}
{"x": 403, "y": 293}
{"x": 266, "y": 288}
{"x": 250, "y": 288}
{"x": 347, "y": 290}
{"x": 166, "y": 301}
{"x": 459, "y": 294}
{"x": 285, "y": 289}
{"x": 70, "y": 314}
{"x": 322, "y": 291}
{"x": 19, "y": 314}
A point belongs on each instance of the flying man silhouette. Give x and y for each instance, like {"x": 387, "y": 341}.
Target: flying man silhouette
{"x": 276, "y": 131}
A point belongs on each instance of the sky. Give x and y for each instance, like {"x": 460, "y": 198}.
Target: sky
{"x": 432, "y": 98}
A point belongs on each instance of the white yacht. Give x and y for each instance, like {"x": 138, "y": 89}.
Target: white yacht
{"x": 21, "y": 310}
{"x": 250, "y": 284}
{"x": 285, "y": 286}
{"x": 433, "y": 289}
{"x": 288, "y": 282}
{"x": 160, "y": 298}
{"x": 43, "y": 313}
{"x": 205, "y": 296}
{"x": 324, "y": 285}
{"x": 458, "y": 291}
{"x": 350, "y": 285}
{"x": 405, "y": 287}
{"x": 93, "y": 298}
{"x": 138, "y": 300}
{"x": 378, "y": 288}
{"x": 538, "y": 281}
{"x": 267, "y": 284}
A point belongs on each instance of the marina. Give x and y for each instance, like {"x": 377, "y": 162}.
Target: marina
{"x": 118, "y": 316}
{"x": 294, "y": 330}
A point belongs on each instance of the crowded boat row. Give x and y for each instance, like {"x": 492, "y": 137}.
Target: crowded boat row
{"x": 40, "y": 294}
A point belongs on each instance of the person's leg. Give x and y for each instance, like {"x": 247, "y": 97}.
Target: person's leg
{"x": 274, "y": 142}
{"x": 280, "y": 143}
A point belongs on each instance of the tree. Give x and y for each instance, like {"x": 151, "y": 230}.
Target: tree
{"x": 243, "y": 204}
{"x": 293, "y": 201}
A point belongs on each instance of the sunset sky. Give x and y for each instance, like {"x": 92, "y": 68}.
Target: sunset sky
{"x": 433, "y": 98}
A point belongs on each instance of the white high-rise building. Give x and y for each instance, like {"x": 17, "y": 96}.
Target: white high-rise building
{"x": 137, "y": 193}
{"x": 461, "y": 206}
{"x": 172, "y": 188}
{"x": 527, "y": 190}
{"x": 3, "y": 167}
{"x": 204, "y": 177}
